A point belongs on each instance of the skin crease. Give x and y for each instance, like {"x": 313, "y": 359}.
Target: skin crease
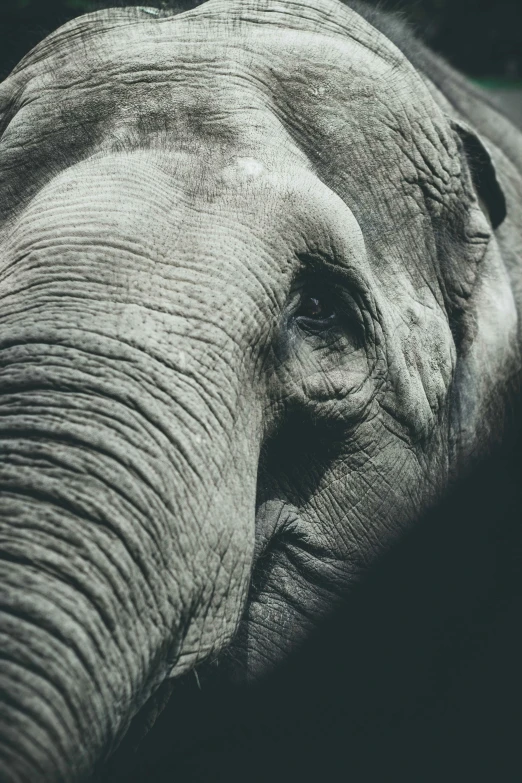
{"x": 187, "y": 466}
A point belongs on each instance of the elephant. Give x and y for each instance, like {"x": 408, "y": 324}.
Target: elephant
{"x": 261, "y": 296}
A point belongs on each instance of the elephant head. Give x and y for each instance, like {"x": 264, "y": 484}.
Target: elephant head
{"x": 254, "y": 320}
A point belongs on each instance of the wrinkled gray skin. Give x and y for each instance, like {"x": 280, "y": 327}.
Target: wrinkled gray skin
{"x": 174, "y": 189}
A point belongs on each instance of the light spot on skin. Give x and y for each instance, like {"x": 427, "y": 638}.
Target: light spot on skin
{"x": 244, "y": 168}
{"x": 251, "y": 166}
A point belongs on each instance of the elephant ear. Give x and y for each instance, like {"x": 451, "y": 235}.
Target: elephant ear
{"x": 464, "y": 231}
{"x": 483, "y": 174}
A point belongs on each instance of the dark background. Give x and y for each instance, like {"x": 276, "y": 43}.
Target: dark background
{"x": 417, "y": 679}
{"x": 481, "y": 37}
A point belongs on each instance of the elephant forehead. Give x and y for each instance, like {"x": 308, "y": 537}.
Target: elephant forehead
{"x": 319, "y": 67}
{"x": 279, "y": 83}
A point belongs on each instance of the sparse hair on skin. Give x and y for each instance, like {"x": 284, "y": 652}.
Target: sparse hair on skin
{"x": 391, "y": 22}
{"x": 164, "y": 7}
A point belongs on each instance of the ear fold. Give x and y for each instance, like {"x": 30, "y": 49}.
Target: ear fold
{"x": 483, "y": 174}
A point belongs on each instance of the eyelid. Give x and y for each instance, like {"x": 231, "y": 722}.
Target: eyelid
{"x": 317, "y": 325}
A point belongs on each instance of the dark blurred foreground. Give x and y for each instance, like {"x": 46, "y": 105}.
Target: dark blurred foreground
{"x": 417, "y": 679}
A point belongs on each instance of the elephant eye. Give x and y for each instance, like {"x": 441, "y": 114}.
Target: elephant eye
{"x": 316, "y": 310}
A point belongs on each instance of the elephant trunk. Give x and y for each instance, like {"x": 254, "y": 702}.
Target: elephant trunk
{"x": 129, "y": 442}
